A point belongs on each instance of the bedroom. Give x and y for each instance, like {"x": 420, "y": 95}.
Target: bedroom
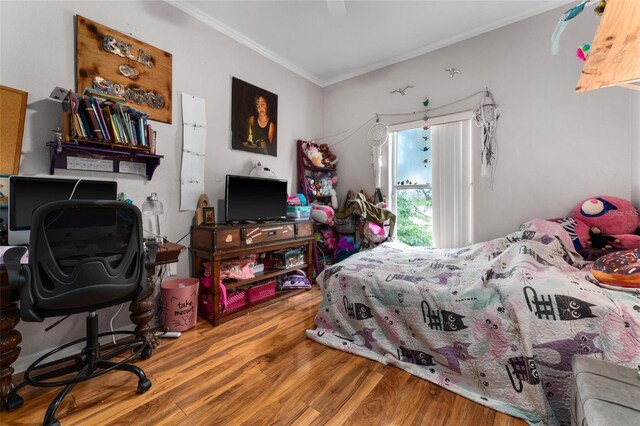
{"x": 557, "y": 147}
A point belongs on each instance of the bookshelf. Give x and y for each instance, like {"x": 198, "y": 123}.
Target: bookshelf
{"x": 72, "y": 156}
{"x": 99, "y": 132}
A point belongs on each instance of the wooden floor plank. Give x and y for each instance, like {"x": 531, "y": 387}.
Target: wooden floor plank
{"x": 259, "y": 369}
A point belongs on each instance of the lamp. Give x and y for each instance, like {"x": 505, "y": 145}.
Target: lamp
{"x": 152, "y": 209}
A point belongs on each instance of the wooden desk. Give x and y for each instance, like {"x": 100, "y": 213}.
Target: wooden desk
{"x": 141, "y": 313}
{"x": 143, "y": 307}
{"x": 10, "y": 338}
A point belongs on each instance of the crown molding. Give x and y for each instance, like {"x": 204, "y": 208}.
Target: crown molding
{"x": 245, "y": 41}
{"x": 198, "y": 14}
{"x": 542, "y": 8}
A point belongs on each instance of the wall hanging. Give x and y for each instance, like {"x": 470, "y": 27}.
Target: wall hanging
{"x": 118, "y": 64}
{"x": 254, "y": 114}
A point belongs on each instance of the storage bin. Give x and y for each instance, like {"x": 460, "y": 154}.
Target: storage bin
{"x": 289, "y": 258}
{"x": 234, "y": 301}
{"x": 179, "y": 303}
{"x": 261, "y": 291}
{"x": 299, "y": 212}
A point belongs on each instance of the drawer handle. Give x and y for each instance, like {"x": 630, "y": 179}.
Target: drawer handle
{"x": 272, "y": 233}
{"x": 228, "y": 239}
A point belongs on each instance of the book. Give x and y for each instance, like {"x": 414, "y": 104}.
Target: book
{"x": 92, "y": 119}
{"x": 101, "y": 120}
{"x": 85, "y": 125}
{"x": 102, "y": 95}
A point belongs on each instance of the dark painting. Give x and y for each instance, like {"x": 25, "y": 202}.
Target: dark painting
{"x": 254, "y": 115}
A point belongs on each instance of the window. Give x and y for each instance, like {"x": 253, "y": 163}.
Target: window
{"x": 431, "y": 181}
{"x": 412, "y": 186}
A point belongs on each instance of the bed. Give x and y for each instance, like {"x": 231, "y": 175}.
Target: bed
{"x": 497, "y": 322}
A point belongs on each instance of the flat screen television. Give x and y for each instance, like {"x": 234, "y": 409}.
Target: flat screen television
{"x": 26, "y": 194}
{"x": 255, "y": 199}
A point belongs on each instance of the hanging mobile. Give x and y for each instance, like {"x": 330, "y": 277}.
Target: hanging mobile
{"x": 486, "y": 117}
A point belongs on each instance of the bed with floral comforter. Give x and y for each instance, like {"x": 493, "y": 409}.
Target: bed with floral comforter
{"x": 496, "y": 322}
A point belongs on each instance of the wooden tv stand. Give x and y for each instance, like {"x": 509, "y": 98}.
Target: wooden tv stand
{"x": 217, "y": 243}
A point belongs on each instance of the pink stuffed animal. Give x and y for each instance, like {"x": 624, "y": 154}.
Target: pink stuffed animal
{"x": 330, "y": 241}
{"x": 323, "y": 214}
{"x": 603, "y": 222}
{"x": 610, "y": 219}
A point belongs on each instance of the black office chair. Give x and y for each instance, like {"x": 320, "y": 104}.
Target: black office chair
{"x": 83, "y": 255}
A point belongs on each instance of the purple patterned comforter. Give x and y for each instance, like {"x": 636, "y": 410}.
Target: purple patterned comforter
{"x": 497, "y": 322}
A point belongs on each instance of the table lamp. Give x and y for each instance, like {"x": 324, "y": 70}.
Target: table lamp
{"x": 152, "y": 209}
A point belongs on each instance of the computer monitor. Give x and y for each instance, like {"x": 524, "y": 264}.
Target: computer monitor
{"x": 26, "y": 194}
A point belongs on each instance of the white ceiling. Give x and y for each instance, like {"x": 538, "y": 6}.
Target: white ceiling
{"x": 305, "y": 37}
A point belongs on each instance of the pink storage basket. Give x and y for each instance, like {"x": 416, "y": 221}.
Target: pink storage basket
{"x": 261, "y": 291}
{"x": 234, "y": 301}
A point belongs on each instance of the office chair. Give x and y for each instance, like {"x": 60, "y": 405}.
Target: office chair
{"x": 83, "y": 255}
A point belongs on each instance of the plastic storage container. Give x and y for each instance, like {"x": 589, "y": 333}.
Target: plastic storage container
{"x": 299, "y": 212}
{"x": 179, "y": 303}
{"x": 289, "y": 258}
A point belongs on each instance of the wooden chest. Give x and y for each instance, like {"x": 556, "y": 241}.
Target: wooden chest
{"x": 223, "y": 237}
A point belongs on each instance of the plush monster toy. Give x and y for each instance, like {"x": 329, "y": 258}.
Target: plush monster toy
{"x": 603, "y": 222}
{"x": 612, "y": 222}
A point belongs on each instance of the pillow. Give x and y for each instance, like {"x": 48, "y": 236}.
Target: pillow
{"x": 621, "y": 268}
{"x": 562, "y": 228}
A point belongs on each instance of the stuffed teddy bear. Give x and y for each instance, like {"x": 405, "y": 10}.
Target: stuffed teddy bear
{"x": 603, "y": 222}
{"x": 326, "y": 188}
{"x": 328, "y": 158}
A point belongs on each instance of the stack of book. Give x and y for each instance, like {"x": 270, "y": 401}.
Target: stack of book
{"x": 103, "y": 118}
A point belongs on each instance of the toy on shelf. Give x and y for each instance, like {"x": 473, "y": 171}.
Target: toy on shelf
{"x": 326, "y": 188}
{"x": 323, "y": 214}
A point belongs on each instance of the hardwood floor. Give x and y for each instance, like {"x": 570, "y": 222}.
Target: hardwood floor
{"x": 256, "y": 370}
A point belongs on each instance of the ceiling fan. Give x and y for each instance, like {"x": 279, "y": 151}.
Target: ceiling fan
{"x": 336, "y": 7}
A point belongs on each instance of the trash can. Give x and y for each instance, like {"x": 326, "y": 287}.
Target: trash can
{"x": 179, "y": 303}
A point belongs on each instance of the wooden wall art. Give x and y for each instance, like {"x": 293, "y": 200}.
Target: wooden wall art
{"x": 110, "y": 60}
{"x": 13, "y": 108}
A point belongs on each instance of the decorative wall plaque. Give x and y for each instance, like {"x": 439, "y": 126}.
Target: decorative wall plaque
{"x": 108, "y": 60}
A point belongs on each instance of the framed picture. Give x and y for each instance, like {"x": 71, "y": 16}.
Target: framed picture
{"x": 4, "y": 191}
{"x": 254, "y": 116}
{"x": 209, "y": 215}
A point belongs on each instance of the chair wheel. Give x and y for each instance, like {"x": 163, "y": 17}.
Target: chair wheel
{"x": 14, "y": 402}
{"x": 53, "y": 422}
{"x": 143, "y": 386}
{"x": 146, "y": 353}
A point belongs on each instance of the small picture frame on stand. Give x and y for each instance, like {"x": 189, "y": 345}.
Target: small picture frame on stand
{"x": 209, "y": 215}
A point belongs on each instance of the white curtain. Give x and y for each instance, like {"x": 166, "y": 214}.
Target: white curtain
{"x": 452, "y": 184}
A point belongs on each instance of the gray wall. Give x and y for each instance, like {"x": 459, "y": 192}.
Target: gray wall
{"x": 555, "y": 147}
{"x": 37, "y": 54}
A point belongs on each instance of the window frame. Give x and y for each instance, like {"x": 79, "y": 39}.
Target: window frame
{"x": 389, "y": 181}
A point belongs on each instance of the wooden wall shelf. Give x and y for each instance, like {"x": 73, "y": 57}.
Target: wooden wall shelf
{"x": 614, "y": 59}
{"x": 102, "y": 159}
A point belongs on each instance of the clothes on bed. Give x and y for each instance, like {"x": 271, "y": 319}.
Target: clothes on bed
{"x": 497, "y": 322}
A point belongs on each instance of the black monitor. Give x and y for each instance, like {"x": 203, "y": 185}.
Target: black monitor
{"x": 255, "y": 199}
{"x": 28, "y": 193}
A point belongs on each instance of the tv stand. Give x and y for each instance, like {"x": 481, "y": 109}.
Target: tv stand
{"x": 217, "y": 243}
